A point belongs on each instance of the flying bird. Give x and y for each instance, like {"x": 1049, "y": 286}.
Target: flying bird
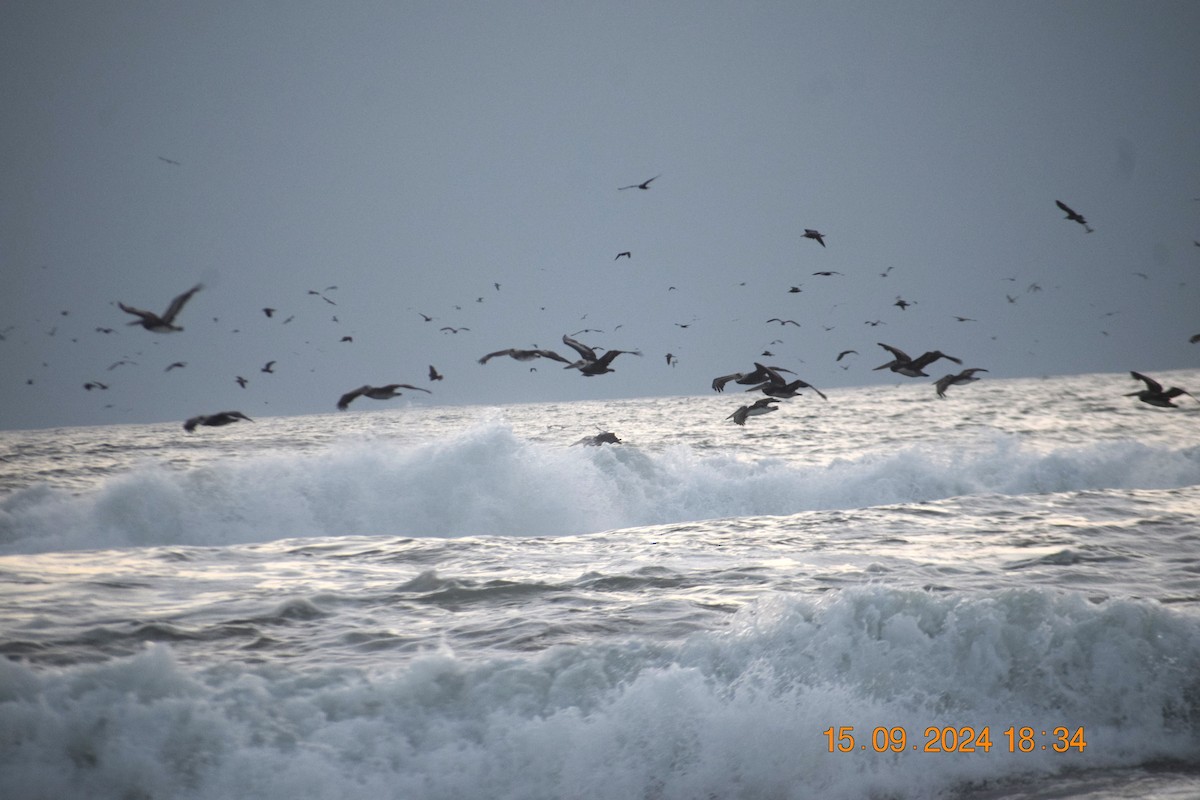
{"x": 759, "y": 374}
{"x": 643, "y": 185}
{"x": 763, "y": 405}
{"x": 164, "y": 324}
{"x": 946, "y": 381}
{"x": 776, "y": 386}
{"x": 827, "y": 273}
{"x": 240, "y": 381}
{"x": 912, "y": 367}
{"x": 1073, "y": 215}
{"x": 784, "y": 321}
{"x": 845, "y": 353}
{"x": 1154, "y": 394}
{"x": 624, "y": 253}
{"x": 524, "y": 355}
{"x": 95, "y": 385}
{"x": 169, "y": 161}
{"x": 902, "y": 303}
{"x": 175, "y": 365}
{"x": 589, "y": 363}
{"x": 434, "y": 375}
{"x": 819, "y": 237}
{"x": 215, "y": 420}
{"x": 671, "y": 360}
{"x": 376, "y": 393}
{"x": 268, "y": 367}
{"x": 452, "y": 330}
{"x": 268, "y": 312}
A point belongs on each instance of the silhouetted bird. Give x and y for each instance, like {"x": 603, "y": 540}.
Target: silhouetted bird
{"x": 376, "y": 393}
{"x": 434, "y": 375}
{"x": 759, "y": 374}
{"x": 643, "y": 185}
{"x": 175, "y": 365}
{"x": 589, "y": 363}
{"x": 524, "y": 355}
{"x": 819, "y": 237}
{"x": 624, "y": 253}
{"x": 215, "y": 420}
{"x": 1154, "y": 394}
{"x": 269, "y": 367}
{"x": 240, "y": 381}
{"x": 912, "y": 367}
{"x": 946, "y": 381}
{"x": 1073, "y": 215}
{"x": 95, "y": 385}
{"x": 164, "y": 324}
{"x": 764, "y": 405}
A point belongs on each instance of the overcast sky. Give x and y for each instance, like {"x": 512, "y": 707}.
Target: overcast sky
{"x": 415, "y": 154}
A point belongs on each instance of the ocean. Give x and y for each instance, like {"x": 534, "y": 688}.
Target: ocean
{"x": 990, "y": 596}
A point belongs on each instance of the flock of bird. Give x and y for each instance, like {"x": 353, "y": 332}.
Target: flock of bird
{"x": 593, "y": 361}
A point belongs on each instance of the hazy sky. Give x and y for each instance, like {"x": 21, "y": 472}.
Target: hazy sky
{"x": 415, "y": 154}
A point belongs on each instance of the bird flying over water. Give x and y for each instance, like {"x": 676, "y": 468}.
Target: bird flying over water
{"x": 525, "y": 355}
{"x": 763, "y": 405}
{"x": 1154, "y": 394}
{"x": 759, "y": 374}
{"x": 817, "y": 236}
{"x": 643, "y": 185}
{"x": 165, "y": 323}
{"x": 946, "y": 381}
{"x": 912, "y": 367}
{"x": 215, "y": 420}
{"x": 589, "y": 362}
{"x": 376, "y": 393}
{"x": 1073, "y": 215}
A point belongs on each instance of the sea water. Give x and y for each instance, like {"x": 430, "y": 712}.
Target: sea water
{"x": 883, "y": 595}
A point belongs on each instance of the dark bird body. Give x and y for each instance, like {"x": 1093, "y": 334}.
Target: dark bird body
{"x": 763, "y": 405}
{"x": 946, "y": 381}
{"x": 912, "y": 367}
{"x": 375, "y": 393}
{"x": 165, "y": 323}
{"x": 643, "y": 185}
{"x": 816, "y": 236}
{"x": 589, "y": 362}
{"x": 215, "y": 420}
{"x": 1154, "y": 394}
{"x": 1073, "y": 215}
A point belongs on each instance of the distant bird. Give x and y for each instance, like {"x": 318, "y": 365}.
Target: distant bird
{"x": 98, "y": 330}
{"x": 624, "y": 253}
{"x": 604, "y": 437}
{"x": 643, "y": 185}
{"x": 175, "y": 365}
{"x": 452, "y": 330}
{"x": 434, "y": 375}
{"x": 346, "y": 339}
{"x": 95, "y": 385}
{"x": 120, "y": 363}
{"x": 902, "y": 303}
{"x": 589, "y": 362}
{"x": 964, "y": 319}
{"x": 912, "y": 367}
{"x": 323, "y": 297}
{"x": 884, "y": 274}
{"x": 169, "y": 161}
{"x": 1194, "y": 338}
{"x": 268, "y": 312}
{"x": 497, "y": 286}
{"x": 376, "y": 393}
{"x": 426, "y": 317}
{"x": 269, "y": 367}
{"x": 215, "y": 420}
{"x": 1154, "y": 394}
{"x": 240, "y": 381}
{"x": 164, "y": 324}
{"x": 671, "y": 360}
{"x": 795, "y": 290}
{"x": 966, "y": 376}
{"x": 875, "y": 323}
{"x": 759, "y": 374}
{"x": 525, "y": 355}
{"x": 845, "y": 353}
{"x": 827, "y": 273}
{"x": 784, "y": 321}
{"x": 764, "y": 405}
{"x": 819, "y": 237}
{"x": 1073, "y": 215}
{"x": 776, "y": 386}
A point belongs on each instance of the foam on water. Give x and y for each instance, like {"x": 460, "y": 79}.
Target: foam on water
{"x": 734, "y": 714}
{"x": 487, "y": 481}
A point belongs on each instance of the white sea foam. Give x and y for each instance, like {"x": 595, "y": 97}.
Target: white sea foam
{"x": 741, "y": 713}
{"x": 487, "y": 481}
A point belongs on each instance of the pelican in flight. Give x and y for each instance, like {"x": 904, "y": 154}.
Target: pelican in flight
{"x": 759, "y": 374}
{"x": 643, "y": 185}
{"x": 164, "y": 324}
{"x": 763, "y": 405}
{"x": 817, "y": 236}
{"x": 376, "y": 393}
{"x": 1154, "y": 394}
{"x": 214, "y": 420}
{"x": 589, "y": 363}
{"x": 1073, "y": 215}
{"x": 525, "y": 355}
{"x": 912, "y": 367}
{"x": 946, "y": 381}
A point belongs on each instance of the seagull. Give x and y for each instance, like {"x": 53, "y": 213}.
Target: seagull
{"x": 946, "y": 381}
{"x": 215, "y": 420}
{"x": 1154, "y": 394}
{"x": 643, "y": 185}
{"x": 912, "y": 367}
{"x": 240, "y": 381}
{"x": 1073, "y": 215}
{"x": 759, "y": 374}
{"x": 376, "y": 393}
{"x": 763, "y": 405}
{"x": 845, "y": 353}
{"x": 902, "y": 303}
{"x": 434, "y": 375}
{"x": 95, "y": 385}
{"x": 624, "y": 253}
{"x": 174, "y": 365}
{"x": 452, "y": 330}
{"x": 827, "y": 273}
{"x": 784, "y": 321}
{"x": 589, "y": 363}
{"x": 164, "y": 324}
{"x": 268, "y": 367}
{"x": 671, "y": 360}
{"x": 525, "y": 355}
{"x": 268, "y": 312}
{"x": 809, "y": 233}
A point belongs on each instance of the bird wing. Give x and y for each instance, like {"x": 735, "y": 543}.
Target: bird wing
{"x": 1151, "y": 384}
{"x": 137, "y": 311}
{"x": 807, "y": 385}
{"x": 553, "y": 356}
{"x": 897, "y": 352}
{"x": 407, "y": 386}
{"x": 484, "y": 360}
{"x": 177, "y": 304}
{"x": 718, "y": 384}
{"x": 345, "y": 400}
{"x": 585, "y": 352}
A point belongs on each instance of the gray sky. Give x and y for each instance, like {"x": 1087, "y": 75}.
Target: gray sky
{"x": 414, "y": 154}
